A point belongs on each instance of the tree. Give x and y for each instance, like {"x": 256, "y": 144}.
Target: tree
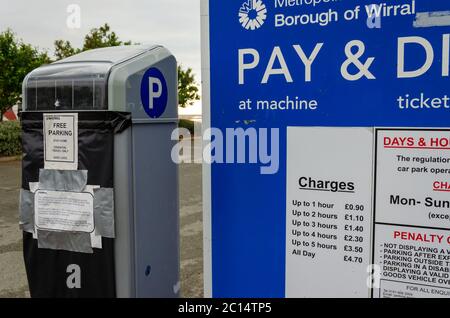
{"x": 102, "y": 37}
{"x": 187, "y": 87}
{"x": 64, "y": 49}
{"x": 96, "y": 38}
{"x": 17, "y": 59}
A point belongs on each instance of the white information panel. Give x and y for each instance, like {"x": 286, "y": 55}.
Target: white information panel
{"x": 328, "y": 217}
{"x": 61, "y": 141}
{"x": 64, "y": 211}
{"x": 412, "y": 213}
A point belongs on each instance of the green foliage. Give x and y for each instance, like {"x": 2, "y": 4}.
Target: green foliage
{"x": 102, "y": 37}
{"x": 64, "y": 49}
{"x": 187, "y": 87}
{"x": 188, "y": 124}
{"x": 10, "y": 138}
{"x": 17, "y": 59}
{"x": 97, "y": 38}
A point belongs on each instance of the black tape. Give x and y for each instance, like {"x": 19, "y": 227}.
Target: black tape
{"x": 47, "y": 269}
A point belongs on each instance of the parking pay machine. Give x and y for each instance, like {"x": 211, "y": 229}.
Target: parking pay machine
{"x": 99, "y": 198}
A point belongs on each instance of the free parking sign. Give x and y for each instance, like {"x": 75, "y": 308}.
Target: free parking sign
{"x": 154, "y": 92}
{"x": 356, "y": 97}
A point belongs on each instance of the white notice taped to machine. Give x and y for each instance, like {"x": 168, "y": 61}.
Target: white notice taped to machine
{"x": 61, "y": 141}
{"x": 64, "y": 211}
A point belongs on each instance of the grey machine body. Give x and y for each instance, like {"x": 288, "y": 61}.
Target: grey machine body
{"x": 145, "y": 176}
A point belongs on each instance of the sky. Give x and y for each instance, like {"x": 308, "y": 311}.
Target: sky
{"x": 172, "y": 23}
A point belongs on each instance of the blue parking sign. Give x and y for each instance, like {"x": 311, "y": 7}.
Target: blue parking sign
{"x": 353, "y": 100}
{"x": 154, "y": 92}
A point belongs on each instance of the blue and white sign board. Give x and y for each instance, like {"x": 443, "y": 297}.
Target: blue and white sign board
{"x": 344, "y": 107}
{"x": 154, "y": 92}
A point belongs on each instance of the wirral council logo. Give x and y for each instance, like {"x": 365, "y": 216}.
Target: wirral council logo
{"x": 252, "y": 14}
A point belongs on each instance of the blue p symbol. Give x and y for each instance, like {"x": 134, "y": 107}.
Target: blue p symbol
{"x": 154, "y": 92}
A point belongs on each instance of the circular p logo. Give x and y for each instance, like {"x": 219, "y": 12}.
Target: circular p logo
{"x": 154, "y": 92}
